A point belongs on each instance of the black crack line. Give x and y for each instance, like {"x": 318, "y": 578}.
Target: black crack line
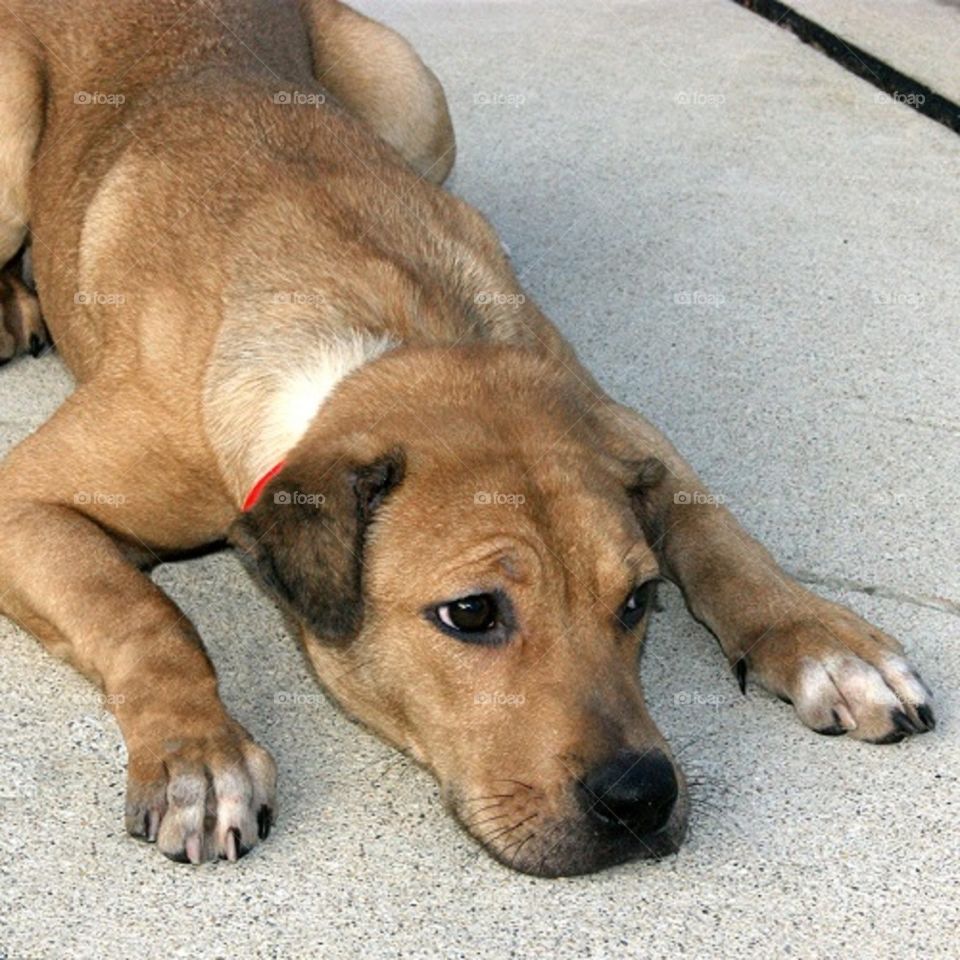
{"x": 918, "y": 96}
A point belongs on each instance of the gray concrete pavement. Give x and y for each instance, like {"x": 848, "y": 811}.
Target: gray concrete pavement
{"x": 746, "y": 245}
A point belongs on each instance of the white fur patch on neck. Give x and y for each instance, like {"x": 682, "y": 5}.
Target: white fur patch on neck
{"x": 294, "y": 406}
{"x": 262, "y": 406}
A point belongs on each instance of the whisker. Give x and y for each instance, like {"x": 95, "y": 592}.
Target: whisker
{"x": 519, "y": 783}
{"x": 473, "y": 823}
{"x": 547, "y": 850}
{"x": 490, "y": 806}
{"x": 509, "y": 845}
{"x": 506, "y": 831}
{"x": 522, "y": 843}
{"x": 492, "y": 796}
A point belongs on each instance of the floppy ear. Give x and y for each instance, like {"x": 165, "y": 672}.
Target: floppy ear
{"x": 639, "y": 450}
{"x": 304, "y": 539}
{"x": 645, "y": 489}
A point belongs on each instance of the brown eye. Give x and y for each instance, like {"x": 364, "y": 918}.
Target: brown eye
{"x": 637, "y": 604}
{"x": 471, "y": 615}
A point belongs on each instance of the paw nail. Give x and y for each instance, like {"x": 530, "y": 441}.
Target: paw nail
{"x": 233, "y": 844}
{"x": 890, "y": 738}
{"x": 837, "y": 730}
{"x": 36, "y": 345}
{"x": 153, "y": 826}
{"x": 926, "y": 716}
{"x": 741, "y": 670}
{"x": 903, "y": 723}
{"x": 263, "y": 822}
{"x": 194, "y": 848}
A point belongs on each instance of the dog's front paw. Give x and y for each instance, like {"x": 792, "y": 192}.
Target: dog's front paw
{"x": 22, "y": 329}
{"x": 201, "y": 797}
{"x": 842, "y": 676}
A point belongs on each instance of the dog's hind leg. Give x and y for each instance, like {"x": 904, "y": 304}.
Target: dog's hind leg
{"x": 21, "y": 120}
{"x": 72, "y": 497}
{"x": 379, "y": 77}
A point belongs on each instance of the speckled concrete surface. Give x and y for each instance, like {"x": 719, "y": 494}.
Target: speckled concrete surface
{"x": 743, "y": 245}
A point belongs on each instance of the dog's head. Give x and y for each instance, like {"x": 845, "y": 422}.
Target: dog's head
{"x": 465, "y": 559}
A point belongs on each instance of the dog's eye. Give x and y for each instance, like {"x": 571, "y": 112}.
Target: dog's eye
{"x": 636, "y": 605}
{"x": 476, "y": 614}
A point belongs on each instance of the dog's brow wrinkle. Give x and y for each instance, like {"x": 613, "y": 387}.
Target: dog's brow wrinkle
{"x": 512, "y": 571}
{"x": 504, "y": 553}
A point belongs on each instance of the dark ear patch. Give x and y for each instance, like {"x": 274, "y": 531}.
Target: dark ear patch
{"x": 304, "y": 539}
{"x": 374, "y": 482}
{"x": 648, "y": 475}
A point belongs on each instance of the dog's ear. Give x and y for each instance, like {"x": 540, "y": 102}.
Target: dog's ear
{"x": 622, "y": 434}
{"x": 304, "y": 539}
{"x": 644, "y": 488}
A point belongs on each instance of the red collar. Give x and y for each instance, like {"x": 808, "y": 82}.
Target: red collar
{"x": 257, "y": 489}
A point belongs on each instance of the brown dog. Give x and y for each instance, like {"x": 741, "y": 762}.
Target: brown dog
{"x": 285, "y": 333}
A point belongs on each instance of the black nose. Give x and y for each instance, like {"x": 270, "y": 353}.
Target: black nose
{"x": 634, "y": 790}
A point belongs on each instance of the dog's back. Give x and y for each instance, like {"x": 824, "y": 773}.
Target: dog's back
{"x": 137, "y": 43}
{"x": 198, "y": 129}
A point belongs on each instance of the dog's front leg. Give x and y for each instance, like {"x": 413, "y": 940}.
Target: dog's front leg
{"x": 197, "y": 783}
{"x": 842, "y": 674}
